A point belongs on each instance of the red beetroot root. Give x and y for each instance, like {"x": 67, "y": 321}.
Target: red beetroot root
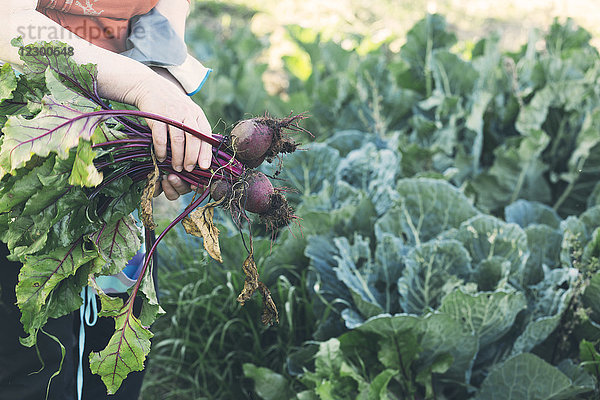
{"x": 251, "y": 139}
{"x": 220, "y": 189}
{"x": 254, "y": 193}
{"x": 256, "y": 139}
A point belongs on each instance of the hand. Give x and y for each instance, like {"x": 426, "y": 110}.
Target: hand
{"x": 164, "y": 98}
{"x": 172, "y": 186}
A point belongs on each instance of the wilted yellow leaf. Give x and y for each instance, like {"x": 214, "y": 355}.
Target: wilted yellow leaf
{"x": 147, "y": 195}
{"x": 200, "y": 223}
{"x": 251, "y": 285}
{"x": 270, "y": 315}
{"x": 251, "y": 281}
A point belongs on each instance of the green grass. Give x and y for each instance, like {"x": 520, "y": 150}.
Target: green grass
{"x": 205, "y": 337}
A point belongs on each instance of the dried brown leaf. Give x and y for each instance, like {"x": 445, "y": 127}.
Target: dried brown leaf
{"x": 148, "y": 195}
{"x": 270, "y": 315}
{"x": 200, "y": 223}
{"x": 251, "y": 281}
{"x": 250, "y": 287}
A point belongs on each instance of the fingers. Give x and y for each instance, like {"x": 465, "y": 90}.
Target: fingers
{"x": 192, "y": 151}
{"x": 186, "y": 151}
{"x": 159, "y": 139}
{"x": 173, "y": 187}
{"x": 205, "y": 157}
{"x": 178, "y": 142}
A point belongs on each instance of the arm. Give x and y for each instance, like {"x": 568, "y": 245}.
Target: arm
{"x": 176, "y": 12}
{"x": 120, "y": 79}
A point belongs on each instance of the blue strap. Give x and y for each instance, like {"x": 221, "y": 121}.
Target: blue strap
{"x": 88, "y": 313}
{"x": 201, "y": 83}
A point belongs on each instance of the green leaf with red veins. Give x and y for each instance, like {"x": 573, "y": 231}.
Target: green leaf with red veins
{"x": 117, "y": 243}
{"x": 56, "y": 129}
{"x": 127, "y": 348}
{"x": 77, "y": 78}
{"x": 64, "y": 94}
{"x": 84, "y": 172}
{"x": 40, "y": 274}
{"x": 8, "y": 82}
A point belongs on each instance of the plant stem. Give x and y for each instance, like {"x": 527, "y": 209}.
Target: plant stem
{"x": 149, "y": 254}
{"x": 136, "y": 113}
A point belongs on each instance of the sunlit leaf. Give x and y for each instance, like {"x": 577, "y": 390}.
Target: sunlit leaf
{"x": 56, "y": 129}
{"x": 200, "y": 223}
{"x": 84, "y": 172}
{"x": 126, "y": 350}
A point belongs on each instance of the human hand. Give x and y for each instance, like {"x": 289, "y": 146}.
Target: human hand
{"x": 164, "y": 98}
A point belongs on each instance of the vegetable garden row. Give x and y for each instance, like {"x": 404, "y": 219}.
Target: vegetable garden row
{"x": 450, "y": 241}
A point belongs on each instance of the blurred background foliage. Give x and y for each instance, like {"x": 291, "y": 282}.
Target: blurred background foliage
{"x": 489, "y": 111}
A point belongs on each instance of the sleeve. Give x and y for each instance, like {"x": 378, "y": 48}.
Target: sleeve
{"x": 191, "y": 75}
{"x": 153, "y": 42}
{"x": 118, "y": 9}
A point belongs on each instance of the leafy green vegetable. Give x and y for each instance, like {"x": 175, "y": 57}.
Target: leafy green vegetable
{"x": 126, "y": 350}
{"x": 449, "y": 215}
{"x": 9, "y": 82}
{"x": 487, "y": 315}
{"x": 60, "y": 229}
{"x": 432, "y": 270}
{"x": 269, "y": 385}
{"x": 526, "y": 376}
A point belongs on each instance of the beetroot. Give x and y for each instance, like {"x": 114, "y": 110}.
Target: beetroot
{"x": 256, "y": 193}
{"x": 254, "y": 140}
{"x": 219, "y": 189}
{"x": 255, "y": 163}
{"x": 253, "y": 193}
{"x": 251, "y": 139}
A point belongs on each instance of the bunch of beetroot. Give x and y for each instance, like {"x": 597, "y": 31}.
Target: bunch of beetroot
{"x": 72, "y": 169}
{"x": 232, "y": 180}
{"x": 251, "y": 142}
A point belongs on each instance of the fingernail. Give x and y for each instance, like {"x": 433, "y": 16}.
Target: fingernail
{"x": 178, "y": 168}
{"x": 161, "y": 159}
{"x": 190, "y": 167}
